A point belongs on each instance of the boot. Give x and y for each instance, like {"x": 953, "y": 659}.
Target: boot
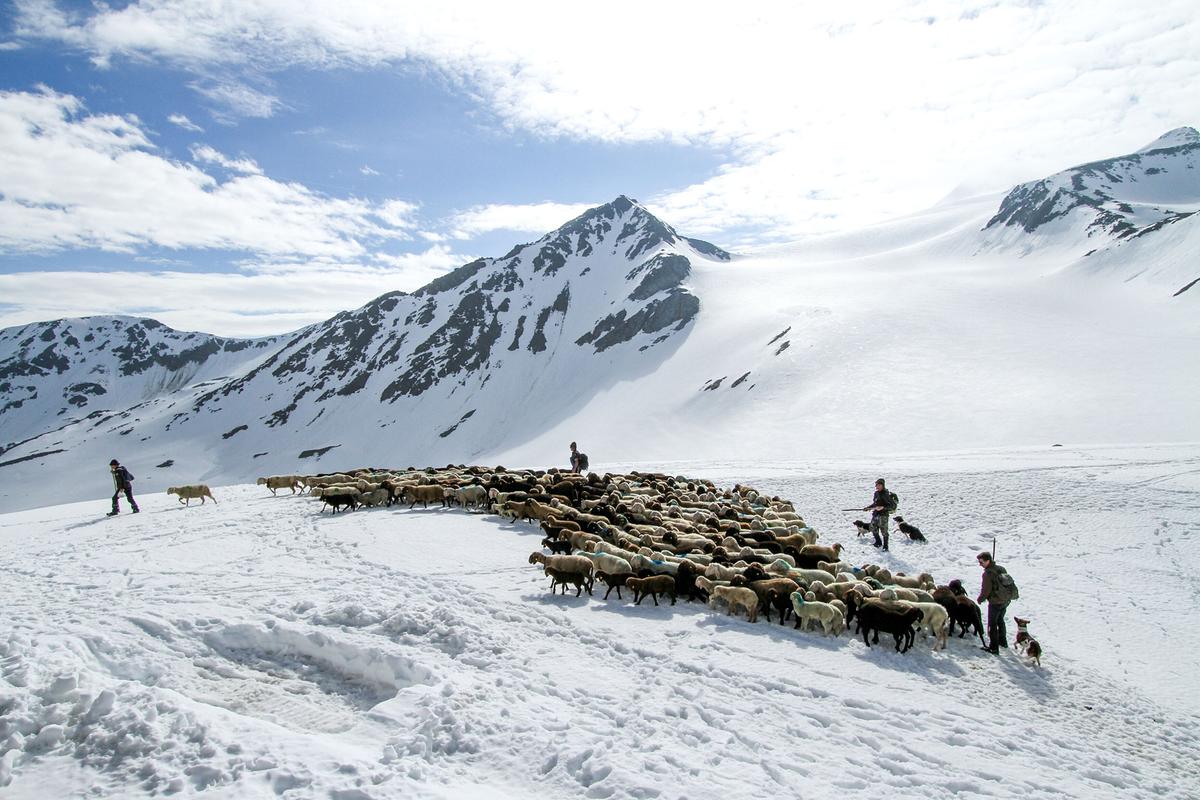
{"x": 136, "y": 509}
{"x": 112, "y": 513}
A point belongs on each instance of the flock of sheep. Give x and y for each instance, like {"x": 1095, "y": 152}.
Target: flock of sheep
{"x": 667, "y": 537}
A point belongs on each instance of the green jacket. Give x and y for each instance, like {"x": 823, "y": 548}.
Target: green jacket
{"x": 990, "y": 588}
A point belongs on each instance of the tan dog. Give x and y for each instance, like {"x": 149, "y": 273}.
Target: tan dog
{"x": 1026, "y": 643}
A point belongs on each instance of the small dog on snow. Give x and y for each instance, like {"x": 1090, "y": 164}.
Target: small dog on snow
{"x": 1026, "y": 643}
{"x": 863, "y": 527}
{"x": 911, "y": 531}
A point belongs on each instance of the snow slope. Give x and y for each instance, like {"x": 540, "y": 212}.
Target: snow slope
{"x": 259, "y": 649}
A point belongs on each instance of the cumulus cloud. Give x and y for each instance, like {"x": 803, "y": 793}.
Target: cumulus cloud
{"x": 827, "y": 112}
{"x": 71, "y": 179}
{"x": 526, "y": 218}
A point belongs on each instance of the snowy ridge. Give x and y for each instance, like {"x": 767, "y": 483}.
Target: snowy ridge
{"x": 1104, "y": 201}
{"x": 257, "y": 649}
{"x": 56, "y": 372}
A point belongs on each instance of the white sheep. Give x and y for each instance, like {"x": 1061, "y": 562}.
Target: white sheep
{"x": 831, "y": 619}
{"x": 378, "y": 497}
{"x": 934, "y": 618}
{"x": 274, "y": 482}
{"x": 188, "y": 493}
{"x": 606, "y": 562}
{"x": 735, "y": 596}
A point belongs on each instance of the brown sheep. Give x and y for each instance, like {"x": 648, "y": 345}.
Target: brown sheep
{"x": 653, "y": 586}
{"x": 561, "y": 578}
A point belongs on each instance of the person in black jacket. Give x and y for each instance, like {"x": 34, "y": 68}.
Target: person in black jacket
{"x": 122, "y": 482}
{"x": 881, "y": 509}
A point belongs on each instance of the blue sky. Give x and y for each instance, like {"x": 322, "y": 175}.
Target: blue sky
{"x": 247, "y": 168}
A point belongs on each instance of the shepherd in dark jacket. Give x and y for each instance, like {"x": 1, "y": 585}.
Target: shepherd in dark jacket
{"x": 122, "y": 482}
{"x": 881, "y": 509}
{"x": 997, "y": 600}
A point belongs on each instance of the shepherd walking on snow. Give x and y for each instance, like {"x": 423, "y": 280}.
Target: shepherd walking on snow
{"x": 122, "y": 482}
{"x": 883, "y": 503}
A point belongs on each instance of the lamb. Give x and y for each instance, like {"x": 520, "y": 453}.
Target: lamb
{"x": 736, "y": 597}
{"x": 557, "y": 546}
{"x": 614, "y": 582}
{"x": 827, "y": 615}
{"x": 275, "y": 482}
{"x": 337, "y": 500}
{"x": 188, "y": 493}
{"x": 653, "y": 585}
{"x": 773, "y": 591}
{"x": 578, "y": 564}
{"x": 561, "y": 578}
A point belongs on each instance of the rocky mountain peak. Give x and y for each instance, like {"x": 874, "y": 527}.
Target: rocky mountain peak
{"x": 1179, "y": 137}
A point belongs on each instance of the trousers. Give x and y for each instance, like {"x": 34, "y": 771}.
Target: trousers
{"x": 879, "y": 527}
{"x": 128, "y": 496}
{"x": 997, "y": 632}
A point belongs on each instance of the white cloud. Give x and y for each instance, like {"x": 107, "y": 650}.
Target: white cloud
{"x": 234, "y": 99}
{"x": 268, "y": 297}
{"x": 366, "y": 170}
{"x": 182, "y": 121}
{"x": 211, "y": 155}
{"x": 75, "y": 180}
{"x": 6, "y": 47}
{"x": 829, "y": 113}
{"x": 529, "y": 218}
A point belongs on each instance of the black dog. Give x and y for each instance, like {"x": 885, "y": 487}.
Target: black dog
{"x": 911, "y": 531}
{"x": 863, "y": 527}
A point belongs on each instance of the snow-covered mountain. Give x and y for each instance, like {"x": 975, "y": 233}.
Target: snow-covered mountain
{"x": 1105, "y": 203}
{"x": 53, "y": 372}
{"x": 475, "y": 360}
{"x": 957, "y": 327}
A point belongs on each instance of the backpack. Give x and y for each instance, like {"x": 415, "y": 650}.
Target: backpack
{"x": 583, "y": 462}
{"x": 893, "y": 501}
{"x": 1006, "y": 588}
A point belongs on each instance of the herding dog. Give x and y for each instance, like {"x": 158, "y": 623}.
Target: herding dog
{"x": 863, "y": 527}
{"x": 911, "y": 531}
{"x": 1026, "y": 643}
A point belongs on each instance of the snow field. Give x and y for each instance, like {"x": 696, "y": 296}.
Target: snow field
{"x": 261, "y": 649}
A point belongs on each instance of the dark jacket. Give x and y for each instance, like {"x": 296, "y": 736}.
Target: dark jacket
{"x": 883, "y": 498}
{"x": 121, "y": 479}
{"x": 990, "y": 589}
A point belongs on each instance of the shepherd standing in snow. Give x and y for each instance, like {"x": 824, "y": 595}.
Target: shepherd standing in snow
{"x": 881, "y": 508}
{"x": 997, "y": 598}
{"x": 579, "y": 461}
{"x": 122, "y": 482}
